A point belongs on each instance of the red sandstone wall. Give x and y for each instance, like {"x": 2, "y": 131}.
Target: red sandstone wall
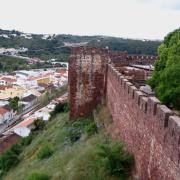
{"x": 87, "y": 68}
{"x": 148, "y": 128}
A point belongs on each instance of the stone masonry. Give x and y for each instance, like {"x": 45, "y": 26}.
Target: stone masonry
{"x": 87, "y": 68}
{"x": 150, "y": 130}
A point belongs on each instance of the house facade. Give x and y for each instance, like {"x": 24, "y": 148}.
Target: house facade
{"x": 29, "y": 101}
{"x": 5, "y": 115}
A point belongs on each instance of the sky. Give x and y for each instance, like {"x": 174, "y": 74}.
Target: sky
{"x": 138, "y": 19}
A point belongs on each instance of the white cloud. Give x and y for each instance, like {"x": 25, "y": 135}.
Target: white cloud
{"x": 123, "y": 18}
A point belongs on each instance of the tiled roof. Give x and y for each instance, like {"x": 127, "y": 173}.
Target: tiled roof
{"x": 7, "y": 107}
{"x": 5, "y": 87}
{"x": 8, "y": 141}
{"x": 8, "y": 79}
{"x": 29, "y": 98}
{"x": 31, "y": 78}
{"x": 3, "y": 110}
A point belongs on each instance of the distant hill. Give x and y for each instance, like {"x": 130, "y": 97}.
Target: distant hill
{"x": 48, "y": 46}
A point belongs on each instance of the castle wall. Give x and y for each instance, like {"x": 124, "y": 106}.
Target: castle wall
{"x": 149, "y": 129}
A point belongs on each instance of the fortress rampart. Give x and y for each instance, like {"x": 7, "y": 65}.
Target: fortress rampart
{"x": 149, "y": 129}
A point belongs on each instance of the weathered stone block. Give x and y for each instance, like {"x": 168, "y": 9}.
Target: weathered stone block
{"x": 132, "y": 89}
{"x": 127, "y": 86}
{"x": 137, "y": 95}
{"x": 143, "y": 103}
{"x": 163, "y": 113}
{"x": 152, "y": 105}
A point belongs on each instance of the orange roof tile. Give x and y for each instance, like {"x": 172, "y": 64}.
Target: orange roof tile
{"x": 5, "y": 87}
{"x": 8, "y": 141}
{"x": 25, "y": 123}
{"x": 3, "y": 110}
{"x": 8, "y": 79}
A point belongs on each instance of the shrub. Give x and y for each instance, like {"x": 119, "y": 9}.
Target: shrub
{"x": 66, "y": 107}
{"x": 38, "y": 176}
{"x": 8, "y": 160}
{"x": 76, "y": 129}
{"x": 91, "y": 128}
{"x": 16, "y": 149}
{"x": 27, "y": 140}
{"x": 61, "y": 107}
{"x": 116, "y": 160}
{"x": 45, "y": 151}
{"x": 73, "y": 134}
{"x": 39, "y": 124}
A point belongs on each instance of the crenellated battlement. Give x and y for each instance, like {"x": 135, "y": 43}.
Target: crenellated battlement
{"x": 163, "y": 124}
{"x": 123, "y": 59}
{"x": 151, "y": 104}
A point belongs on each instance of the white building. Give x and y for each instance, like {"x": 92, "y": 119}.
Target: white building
{"x": 5, "y": 115}
{"x": 42, "y": 115}
{"x": 22, "y": 131}
{"x": 29, "y": 101}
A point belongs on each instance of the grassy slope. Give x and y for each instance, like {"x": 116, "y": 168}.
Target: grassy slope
{"x": 77, "y": 161}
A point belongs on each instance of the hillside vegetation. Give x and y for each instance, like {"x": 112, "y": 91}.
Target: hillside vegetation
{"x": 166, "y": 77}
{"x": 11, "y": 63}
{"x": 72, "y": 151}
{"x": 54, "y": 46}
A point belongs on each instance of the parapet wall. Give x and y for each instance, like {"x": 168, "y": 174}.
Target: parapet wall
{"x": 123, "y": 59}
{"x": 149, "y": 129}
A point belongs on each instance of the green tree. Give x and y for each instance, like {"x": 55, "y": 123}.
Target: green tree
{"x": 13, "y": 102}
{"x": 166, "y": 77}
{"x": 39, "y": 124}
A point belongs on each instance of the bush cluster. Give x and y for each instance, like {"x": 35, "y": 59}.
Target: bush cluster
{"x": 10, "y": 158}
{"x": 100, "y": 159}
{"x": 81, "y": 126}
{"x": 60, "y": 108}
{"x": 38, "y": 176}
{"x": 39, "y": 124}
{"x": 45, "y": 151}
{"x": 27, "y": 140}
{"x": 91, "y": 128}
{"x": 115, "y": 159}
